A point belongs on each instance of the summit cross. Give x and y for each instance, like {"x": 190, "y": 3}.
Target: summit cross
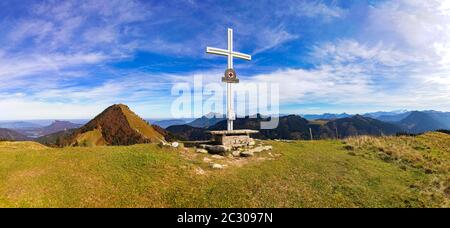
{"x": 231, "y": 116}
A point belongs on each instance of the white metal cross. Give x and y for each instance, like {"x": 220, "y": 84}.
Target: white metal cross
{"x": 230, "y": 54}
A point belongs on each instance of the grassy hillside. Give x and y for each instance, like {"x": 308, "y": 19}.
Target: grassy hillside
{"x": 116, "y": 125}
{"x": 361, "y": 172}
{"x": 141, "y": 125}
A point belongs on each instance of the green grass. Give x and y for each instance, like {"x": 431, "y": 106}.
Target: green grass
{"x": 295, "y": 174}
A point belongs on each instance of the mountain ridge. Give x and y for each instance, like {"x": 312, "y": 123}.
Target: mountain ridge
{"x": 294, "y": 127}
{"x": 11, "y": 135}
{"x": 59, "y": 125}
{"x": 419, "y": 122}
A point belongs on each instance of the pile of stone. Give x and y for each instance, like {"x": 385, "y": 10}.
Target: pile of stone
{"x": 236, "y": 143}
{"x": 174, "y": 145}
{"x": 251, "y": 152}
{"x": 222, "y": 150}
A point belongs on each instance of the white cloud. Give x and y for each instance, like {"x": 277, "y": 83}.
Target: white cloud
{"x": 55, "y": 38}
{"x": 71, "y": 26}
{"x": 24, "y": 109}
{"x": 348, "y": 51}
{"x": 73, "y": 102}
{"x": 325, "y": 84}
{"x": 419, "y": 26}
{"x": 304, "y": 8}
{"x": 32, "y": 64}
{"x": 270, "y": 38}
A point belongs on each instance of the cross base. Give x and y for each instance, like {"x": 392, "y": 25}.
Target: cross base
{"x": 228, "y": 80}
{"x": 233, "y": 138}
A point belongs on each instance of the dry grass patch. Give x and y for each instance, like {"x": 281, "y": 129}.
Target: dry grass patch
{"x": 429, "y": 153}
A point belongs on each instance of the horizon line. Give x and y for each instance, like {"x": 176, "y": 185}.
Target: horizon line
{"x": 195, "y": 117}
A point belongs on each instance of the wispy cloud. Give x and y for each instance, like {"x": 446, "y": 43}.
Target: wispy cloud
{"x": 350, "y": 51}
{"x": 302, "y": 8}
{"x": 25, "y": 65}
{"x": 272, "y": 38}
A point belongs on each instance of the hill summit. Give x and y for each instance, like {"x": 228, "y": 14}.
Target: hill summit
{"x": 117, "y": 125}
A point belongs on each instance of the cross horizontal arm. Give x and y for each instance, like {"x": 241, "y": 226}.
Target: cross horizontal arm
{"x": 242, "y": 56}
{"x": 217, "y": 51}
{"x": 224, "y": 52}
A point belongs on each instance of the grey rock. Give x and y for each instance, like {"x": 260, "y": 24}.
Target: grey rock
{"x": 236, "y": 153}
{"x": 261, "y": 149}
{"x": 217, "y": 156}
{"x": 217, "y": 166}
{"x": 201, "y": 151}
{"x": 217, "y": 149}
{"x": 199, "y": 171}
{"x": 247, "y": 154}
{"x": 175, "y": 144}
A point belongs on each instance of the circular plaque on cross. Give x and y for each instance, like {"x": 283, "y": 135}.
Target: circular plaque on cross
{"x": 230, "y": 76}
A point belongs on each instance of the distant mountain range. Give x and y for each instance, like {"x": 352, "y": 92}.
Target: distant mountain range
{"x": 202, "y": 122}
{"x": 373, "y": 115}
{"x": 56, "y": 126}
{"x": 118, "y": 125}
{"x": 377, "y": 115}
{"x": 59, "y": 126}
{"x": 188, "y": 133}
{"x": 392, "y": 117}
{"x": 326, "y": 116}
{"x": 418, "y": 122}
{"x": 19, "y": 125}
{"x": 410, "y": 121}
{"x": 170, "y": 122}
{"x": 295, "y": 127}
{"x": 324, "y": 126}
{"x": 207, "y": 121}
{"x": 11, "y": 135}
{"x": 442, "y": 117}
{"x": 33, "y": 130}
{"x": 362, "y": 125}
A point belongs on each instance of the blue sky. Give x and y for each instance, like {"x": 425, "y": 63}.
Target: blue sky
{"x": 72, "y": 59}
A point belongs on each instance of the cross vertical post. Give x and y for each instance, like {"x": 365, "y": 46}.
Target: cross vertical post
{"x": 230, "y": 117}
{"x": 230, "y": 48}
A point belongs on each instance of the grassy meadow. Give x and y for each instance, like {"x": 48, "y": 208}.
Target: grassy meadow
{"x": 357, "y": 172}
